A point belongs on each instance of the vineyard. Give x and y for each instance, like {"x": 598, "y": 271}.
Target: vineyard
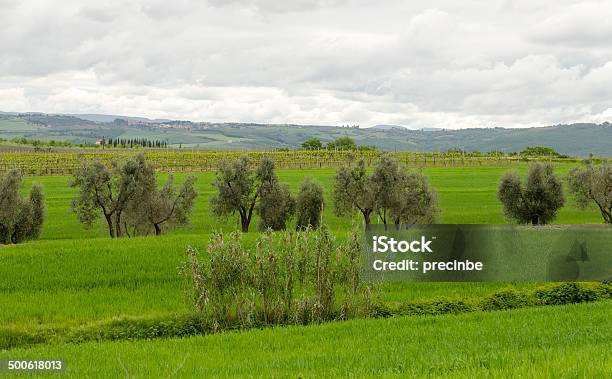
{"x": 67, "y": 162}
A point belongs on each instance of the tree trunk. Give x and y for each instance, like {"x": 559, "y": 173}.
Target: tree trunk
{"x": 397, "y": 222}
{"x": 366, "y": 216}
{"x": 535, "y": 220}
{"x": 109, "y": 221}
{"x": 245, "y": 223}
{"x": 118, "y": 227}
{"x": 158, "y": 230}
{"x": 4, "y": 234}
{"x": 246, "y": 216}
{"x": 606, "y": 214}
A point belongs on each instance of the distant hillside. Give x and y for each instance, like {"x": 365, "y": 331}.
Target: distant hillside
{"x": 111, "y": 118}
{"x": 402, "y": 127}
{"x": 390, "y": 127}
{"x": 574, "y": 139}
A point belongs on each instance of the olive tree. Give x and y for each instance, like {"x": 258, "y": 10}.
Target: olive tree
{"x": 128, "y": 198}
{"x": 354, "y": 190}
{"x": 156, "y": 210}
{"x": 108, "y": 191}
{"x": 414, "y": 200}
{"x": 243, "y": 190}
{"x": 593, "y": 184}
{"x": 309, "y": 204}
{"x": 20, "y": 219}
{"x": 387, "y": 180}
{"x": 536, "y": 201}
{"x": 276, "y": 205}
{"x": 236, "y": 191}
{"x": 395, "y": 194}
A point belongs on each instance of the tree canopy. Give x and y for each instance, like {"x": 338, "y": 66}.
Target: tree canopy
{"x": 313, "y": 143}
{"x": 342, "y": 143}
{"x": 536, "y": 201}
{"x": 539, "y": 151}
{"x": 309, "y": 204}
{"x": 276, "y": 204}
{"x": 353, "y": 190}
{"x": 20, "y": 219}
{"x": 243, "y": 190}
{"x": 593, "y": 184}
{"x": 128, "y": 198}
{"x": 391, "y": 191}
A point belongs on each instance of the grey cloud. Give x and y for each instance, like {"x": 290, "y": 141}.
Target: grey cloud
{"x": 275, "y": 6}
{"x": 340, "y": 61}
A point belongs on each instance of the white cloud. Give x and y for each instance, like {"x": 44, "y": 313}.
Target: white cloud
{"x": 579, "y": 25}
{"x": 434, "y": 63}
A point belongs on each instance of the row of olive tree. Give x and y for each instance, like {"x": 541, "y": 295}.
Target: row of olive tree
{"x": 243, "y": 190}
{"x": 128, "y": 198}
{"x": 538, "y": 200}
{"x": 390, "y": 191}
{"x": 20, "y": 219}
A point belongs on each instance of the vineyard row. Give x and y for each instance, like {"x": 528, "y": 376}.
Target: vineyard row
{"x": 64, "y": 163}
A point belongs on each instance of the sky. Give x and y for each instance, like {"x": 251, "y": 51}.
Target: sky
{"x": 446, "y": 64}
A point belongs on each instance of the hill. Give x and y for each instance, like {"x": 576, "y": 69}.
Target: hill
{"x": 575, "y": 139}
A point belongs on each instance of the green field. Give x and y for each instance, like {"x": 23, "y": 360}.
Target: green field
{"x": 74, "y": 276}
{"x": 562, "y": 342}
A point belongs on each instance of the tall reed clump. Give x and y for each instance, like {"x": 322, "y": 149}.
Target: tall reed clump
{"x": 292, "y": 277}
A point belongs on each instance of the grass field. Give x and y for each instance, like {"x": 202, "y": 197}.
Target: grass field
{"x": 561, "y": 342}
{"x": 75, "y": 276}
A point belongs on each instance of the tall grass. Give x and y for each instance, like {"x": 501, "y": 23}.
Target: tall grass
{"x": 291, "y": 278}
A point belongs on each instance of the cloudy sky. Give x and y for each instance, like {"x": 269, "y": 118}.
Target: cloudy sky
{"x": 451, "y": 64}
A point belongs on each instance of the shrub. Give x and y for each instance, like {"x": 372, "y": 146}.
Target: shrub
{"x": 505, "y": 299}
{"x": 435, "y": 307}
{"x": 566, "y": 293}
